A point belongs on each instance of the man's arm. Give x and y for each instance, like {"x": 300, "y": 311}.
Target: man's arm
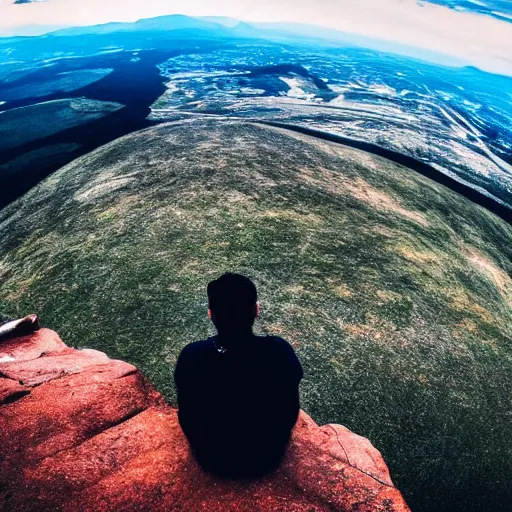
{"x": 293, "y": 400}
{"x": 286, "y": 398}
{"x": 189, "y": 398}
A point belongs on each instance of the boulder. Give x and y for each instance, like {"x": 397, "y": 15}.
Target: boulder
{"x": 32, "y": 346}
{"x": 83, "y": 432}
{"x": 11, "y": 390}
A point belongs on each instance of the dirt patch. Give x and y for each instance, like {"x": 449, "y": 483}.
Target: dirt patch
{"x": 235, "y": 196}
{"x": 193, "y": 267}
{"x": 383, "y": 201}
{"x": 375, "y": 328}
{"x": 102, "y": 188}
{"x": 367, "y": 160}
{"x": 277, "y": 329}
{"x": 294, "y": 289}
{"x": 309, "y": 218}
{"x": 384, "y": 231}
{"x": 468, "y": 325}
{"x": 21, "y": 288}
{"x": 461, "y": 301}
{"x": 387, "y": 295}
{"x": 338, "y": 184}
{"x": 365, "y": 331}
{"x": 340, "y": 289}
{"x": 416, "y": 256}
{"x": 119, "y": 208}
{"x": 487, "y": 267}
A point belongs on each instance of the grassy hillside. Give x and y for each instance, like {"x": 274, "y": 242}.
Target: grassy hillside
{"x": 395, "y": 292}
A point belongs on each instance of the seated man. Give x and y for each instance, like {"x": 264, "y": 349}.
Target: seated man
{"x": 238, "y": 393}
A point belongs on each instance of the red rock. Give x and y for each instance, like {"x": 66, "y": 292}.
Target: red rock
{"x": 102, "y": 455}
{"x": 102, "y": 439}
{"x": 52, "y": 366}
{"x": 54, "y": 418}
{"x": 31, "y": 346}
{"x": 11, "y": 389}
{"x": 357, "y": 451}
{"x": 103, "y": 372}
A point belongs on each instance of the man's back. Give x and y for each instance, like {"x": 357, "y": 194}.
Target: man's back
{"x": 238, "y": 407}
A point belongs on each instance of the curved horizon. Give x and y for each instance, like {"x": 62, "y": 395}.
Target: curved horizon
{"x": 417, "y": 27}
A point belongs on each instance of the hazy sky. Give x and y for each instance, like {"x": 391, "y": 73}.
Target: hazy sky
{"x": 480, "y": 40}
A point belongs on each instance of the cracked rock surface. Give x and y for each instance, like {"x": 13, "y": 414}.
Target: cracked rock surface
{"x": 80, "y": 431}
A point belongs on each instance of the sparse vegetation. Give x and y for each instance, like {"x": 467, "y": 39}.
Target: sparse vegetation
{"x": 395, "y": 292}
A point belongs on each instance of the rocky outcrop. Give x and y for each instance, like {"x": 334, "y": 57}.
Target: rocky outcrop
{"x": 83, "y": 432}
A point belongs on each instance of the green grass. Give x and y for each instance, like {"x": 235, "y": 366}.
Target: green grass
{"x": 395, "y": 292}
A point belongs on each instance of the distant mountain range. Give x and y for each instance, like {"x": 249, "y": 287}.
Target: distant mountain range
{"x": 219, "y": 27}
{"x": 161, "y": 23}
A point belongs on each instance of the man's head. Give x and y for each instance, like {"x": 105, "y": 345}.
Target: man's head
{"x": 232, "y": 303}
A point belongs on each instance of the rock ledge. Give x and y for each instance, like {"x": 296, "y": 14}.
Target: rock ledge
{"x": 83, "y": 432}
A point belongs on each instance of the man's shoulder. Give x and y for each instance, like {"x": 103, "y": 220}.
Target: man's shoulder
{"x": 191, "y": 358}
{"x": 278, "y": 345}
{"x": 283, "y": 354}
{"x": 275, "y": 342}
{"x": 197, "y": 348}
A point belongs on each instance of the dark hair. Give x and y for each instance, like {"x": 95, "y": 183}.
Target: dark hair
{"x": 232, "y": 298}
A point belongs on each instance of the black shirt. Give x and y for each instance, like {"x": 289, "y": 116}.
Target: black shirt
{"x": 238, "y": 408}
